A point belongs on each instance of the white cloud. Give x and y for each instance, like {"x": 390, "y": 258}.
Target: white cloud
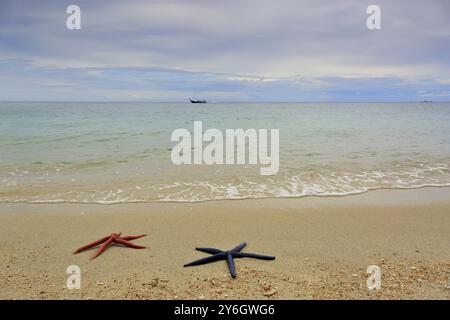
{"x": 240, "y": 45}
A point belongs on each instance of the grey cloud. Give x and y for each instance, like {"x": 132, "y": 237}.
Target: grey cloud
{"x": 257, "y": 37}
{"x": 306, "y": 44}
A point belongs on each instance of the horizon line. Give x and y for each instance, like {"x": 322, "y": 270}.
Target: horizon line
{"x": 187, "y": 101}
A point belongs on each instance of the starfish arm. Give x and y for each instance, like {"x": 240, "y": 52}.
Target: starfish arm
{"x": 252, "y": 255}
{"x": 128, "y": 244}
{"x": 213, "y": 258}
{"x": 103, "y": 247}
{"x": 231, "y": 265}
{"x": 128, "y": 238}
{"x": 90, "y": 245}
{"x": 209, "y": 250}
{"x": 239, "y": 247}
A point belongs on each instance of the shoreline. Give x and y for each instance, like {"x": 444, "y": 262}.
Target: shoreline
{"x": 433, "y": 188}
{"x": 322, "y": 245}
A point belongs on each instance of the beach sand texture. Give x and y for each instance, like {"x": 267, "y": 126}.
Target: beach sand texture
{"x": 322, "y": 246}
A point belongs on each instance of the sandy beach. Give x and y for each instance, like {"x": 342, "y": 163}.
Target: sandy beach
{"x": 322, "y": 245}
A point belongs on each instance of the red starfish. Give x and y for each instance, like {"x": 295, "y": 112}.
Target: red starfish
{"x": 112, "y": 238}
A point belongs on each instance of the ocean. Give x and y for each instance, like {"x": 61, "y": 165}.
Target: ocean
{"x": 121, "y": 152}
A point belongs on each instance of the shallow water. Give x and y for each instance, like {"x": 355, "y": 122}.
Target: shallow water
{"x": 120, "y": 152}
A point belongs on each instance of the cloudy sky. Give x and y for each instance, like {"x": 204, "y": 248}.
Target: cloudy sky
{"x": 225, "y": 50}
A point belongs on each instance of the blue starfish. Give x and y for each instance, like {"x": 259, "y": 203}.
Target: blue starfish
{"x": 227, "y": 255}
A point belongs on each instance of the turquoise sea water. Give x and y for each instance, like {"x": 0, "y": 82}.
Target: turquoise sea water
{"x": 120, "y": 152}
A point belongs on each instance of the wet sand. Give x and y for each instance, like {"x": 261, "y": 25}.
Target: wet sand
{"x": 323, "y": 247}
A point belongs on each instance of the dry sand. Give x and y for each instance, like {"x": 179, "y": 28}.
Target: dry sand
{"x": 323, "y": 247}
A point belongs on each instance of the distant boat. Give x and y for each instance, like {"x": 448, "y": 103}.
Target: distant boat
{"x": 197, "y": 101}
